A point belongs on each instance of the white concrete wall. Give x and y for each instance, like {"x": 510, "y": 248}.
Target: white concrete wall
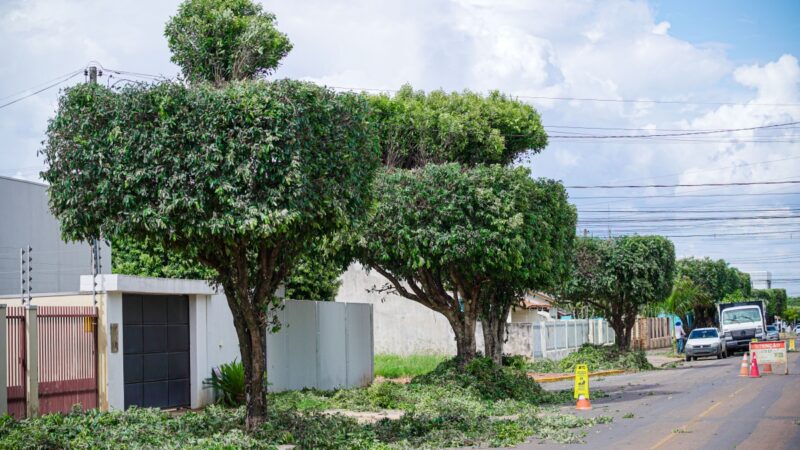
{"x": 222, "y": 343}
{"x": 401, "y": 326}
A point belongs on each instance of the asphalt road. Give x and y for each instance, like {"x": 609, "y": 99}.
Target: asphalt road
{"x": 702, "y": 404}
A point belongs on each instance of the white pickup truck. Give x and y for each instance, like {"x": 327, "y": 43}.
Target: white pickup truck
{"x": 740, "y": 322}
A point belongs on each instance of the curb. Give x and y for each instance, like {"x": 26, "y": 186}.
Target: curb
{"x": 552, "y": 379}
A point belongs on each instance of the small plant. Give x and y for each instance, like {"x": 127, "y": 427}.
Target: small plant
{"x": 228, "y": 383}
{"x": 628, "y": 416}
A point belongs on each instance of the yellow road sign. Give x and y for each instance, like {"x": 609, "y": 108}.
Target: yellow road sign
{"x": 791, "y": 344}
{"x": 581, "y": 381}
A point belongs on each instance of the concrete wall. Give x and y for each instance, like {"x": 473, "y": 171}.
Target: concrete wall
{"x": 321, "y": 345}
{"x": 401, "y": 326}
{"x": 26, "y": 220}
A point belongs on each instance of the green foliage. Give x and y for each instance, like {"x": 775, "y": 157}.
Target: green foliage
{"x": 245, "y": 177}
{"x": 417, "y": 129}
{"x": 490, "y": 381}
{"x": 227, "y": 380}
{"x": 516, "y": 361}
{"x": 395, "y": 366}
{"x": 618, "y": 276}
{"x": 445, "y": 228}
{"x": 168, "y": 163}
{"x": 130, "y": 257}
{"x": 449, "y": 414}
{"x": 224, "y": 40}
{"x": 714, "y": 281}
{"x": 776, "y": 301}
{"x": 596, "y": 357}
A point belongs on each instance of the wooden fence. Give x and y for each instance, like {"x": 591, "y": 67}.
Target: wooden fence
{"x": 652, "y": 332}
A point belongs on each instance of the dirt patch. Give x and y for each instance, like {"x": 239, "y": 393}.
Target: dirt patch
{"x": 365, "y": 417}
{"x": 401, "y": 380}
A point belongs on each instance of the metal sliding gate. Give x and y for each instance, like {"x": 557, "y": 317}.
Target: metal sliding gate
{"x": 66, "y": 357}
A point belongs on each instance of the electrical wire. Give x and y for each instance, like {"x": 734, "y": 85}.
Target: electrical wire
{"x": 640, "y": 186}
{"x": 50, "y": 86}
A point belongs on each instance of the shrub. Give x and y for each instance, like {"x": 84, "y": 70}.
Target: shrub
{"x": 228, "y": 383}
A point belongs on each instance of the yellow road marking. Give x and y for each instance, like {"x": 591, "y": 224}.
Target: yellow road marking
{"x": 740, "y": 390}
{"x": 699, "y": 416}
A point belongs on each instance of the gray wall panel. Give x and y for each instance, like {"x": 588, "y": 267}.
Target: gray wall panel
{"x": 25, "y": 219}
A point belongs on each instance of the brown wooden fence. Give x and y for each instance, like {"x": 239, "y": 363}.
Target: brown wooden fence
{"x": 652, "y": 332}
{"x": 66, "y": 356}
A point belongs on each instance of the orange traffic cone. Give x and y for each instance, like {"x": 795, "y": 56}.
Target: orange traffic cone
{"x": 583, "y": 404}
{"x": 743, "y": 371}
{"x": 754, "y": 368}
{"x": 766, "y": 368}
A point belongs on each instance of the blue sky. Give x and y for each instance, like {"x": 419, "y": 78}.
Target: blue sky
{"x": 750, "y": 31}
{"x": 724, "y": 64}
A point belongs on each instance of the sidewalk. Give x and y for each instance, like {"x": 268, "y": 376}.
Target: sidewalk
{"x": 660, "y": 357}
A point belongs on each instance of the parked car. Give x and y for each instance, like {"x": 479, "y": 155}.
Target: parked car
{"x": 772, "y": 333}
{"x": 797, "y": 329}
{"x": 705, "y": 342}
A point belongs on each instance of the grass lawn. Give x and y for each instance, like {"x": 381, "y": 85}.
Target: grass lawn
{"x": 396, "y": 366}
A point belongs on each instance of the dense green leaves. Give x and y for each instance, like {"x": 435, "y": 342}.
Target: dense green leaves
{"x": 224, "y": 40}
{"x": 445, "y": 235}
{"x": 418, "y": 128}
{"x": 619, "y": 276}
{"x": 714, "y": 281}
{"x": 244, "y": 177}
{"x": 253, "y": 161}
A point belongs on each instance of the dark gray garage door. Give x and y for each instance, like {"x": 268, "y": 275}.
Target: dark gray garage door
{"x": 156, "y": 349}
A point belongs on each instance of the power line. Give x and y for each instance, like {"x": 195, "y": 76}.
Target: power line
{"x": 638, "y": 186}
{"x": 71, "y": 76}
{"x": 40, "y": 84}
{"x": 602, "y": 100}
{"x": 681, "y": 195}
{"x": 682, "y": 133}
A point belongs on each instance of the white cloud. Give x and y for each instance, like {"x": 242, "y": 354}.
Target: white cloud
{"x": 613, "y": 49}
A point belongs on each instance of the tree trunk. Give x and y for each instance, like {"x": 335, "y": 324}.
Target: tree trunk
{"x": 623, "y": 335}
{"x": 255, "y": 373}
{"x": 494, "y": 333}
{"x": 464, "y": 330}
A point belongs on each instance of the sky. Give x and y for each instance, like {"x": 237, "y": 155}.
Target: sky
{"x": 659, "y": 67}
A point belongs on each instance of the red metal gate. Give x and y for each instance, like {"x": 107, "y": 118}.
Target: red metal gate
{"x": 16, "y": 361}
{"x": 67, "y": 358}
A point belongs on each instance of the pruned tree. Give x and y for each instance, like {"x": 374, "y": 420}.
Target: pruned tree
{"x": 618, "y": 276}
{"x": 417, "y": 128}
{"x": 445, "y": 236}
{"x": 242, "y": 174}
{"x": 224, "y": 40}
{"x": 716, "y": 281}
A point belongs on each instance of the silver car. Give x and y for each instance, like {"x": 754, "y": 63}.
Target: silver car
{"x": 705, "y": 342}
{"x": 772, "y": 333}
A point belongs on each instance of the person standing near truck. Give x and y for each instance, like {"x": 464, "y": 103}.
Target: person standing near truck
{"x": 680, "y": 336}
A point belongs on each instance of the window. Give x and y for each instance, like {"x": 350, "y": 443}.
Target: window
{"x": 741, "y": 316}
{"x": 701, "y": 334}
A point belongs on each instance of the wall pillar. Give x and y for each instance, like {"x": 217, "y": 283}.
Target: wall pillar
{"x": 31, "y": 362}
{"x": 110, "y": 355}
{"x": 198, "y": 349}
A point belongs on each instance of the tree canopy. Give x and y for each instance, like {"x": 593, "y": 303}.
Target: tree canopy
{"x": 224, "y": 40}
{"x": 444, "y": 235}
{"x": 715, "y": 281}
{"x": 618, "y": 276}
{"x": 416, "y": 128}
{"x": 244, "y": 177}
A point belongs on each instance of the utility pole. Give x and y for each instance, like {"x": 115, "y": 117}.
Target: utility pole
{"x": 93, "y": 73}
